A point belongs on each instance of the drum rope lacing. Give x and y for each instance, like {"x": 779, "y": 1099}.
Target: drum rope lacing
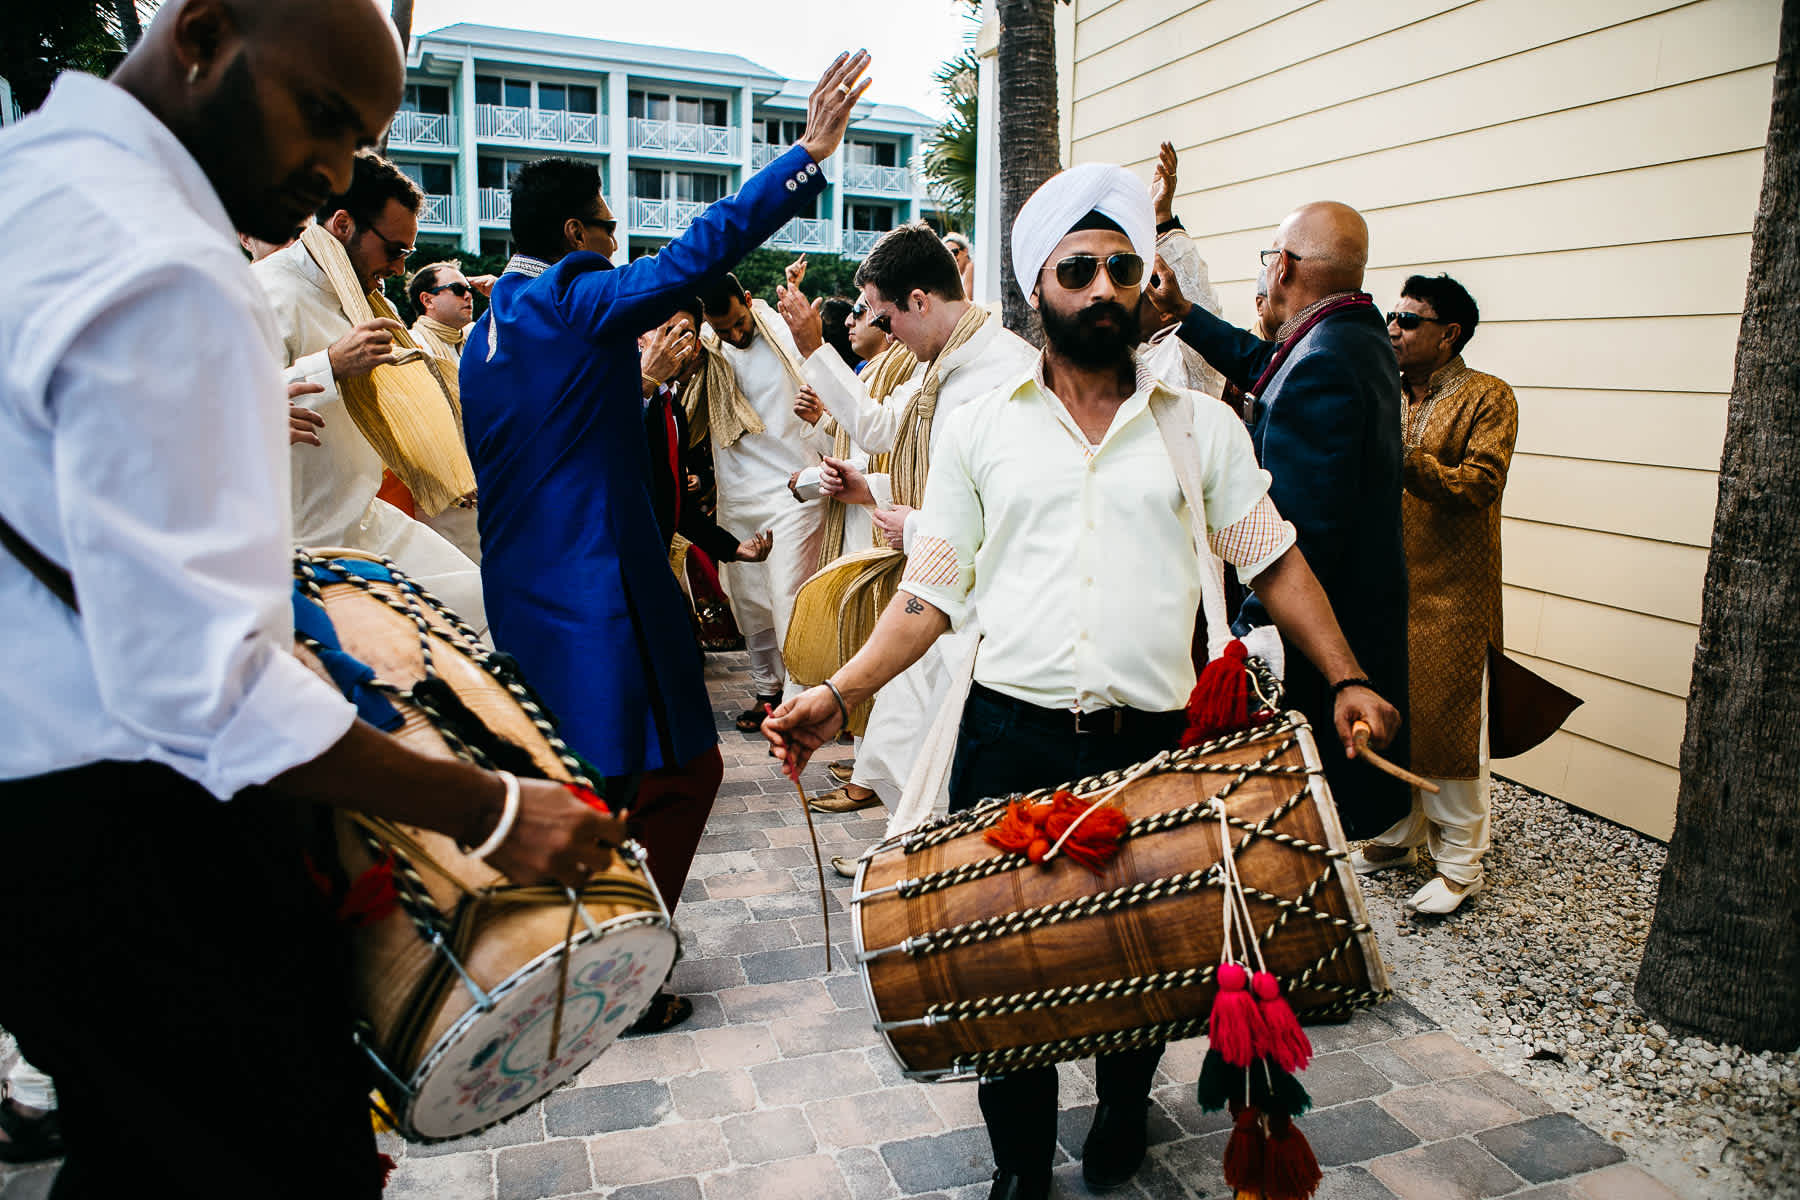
{"x": 414, "y": 896}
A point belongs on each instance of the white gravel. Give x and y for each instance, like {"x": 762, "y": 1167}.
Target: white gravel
{"x": 1543, "y": 961}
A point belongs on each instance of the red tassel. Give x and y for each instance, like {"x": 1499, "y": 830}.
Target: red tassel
{"x": 1245, "y": 1152}
{"x": 386, "y": 1166}
{"x": 1096, "y": 840}
{"x": 371, "y": 896}
{"x": 1235, "y": 1026}
{"x": 1016, "y": 829}
{"x": 1283, "y": 1040}
{"x": 1220, "y": 701}
{"x": 1290, "y": 1168}
{"x": 589, "y": 797}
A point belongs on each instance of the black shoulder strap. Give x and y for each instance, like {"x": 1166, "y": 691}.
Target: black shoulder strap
{"x": 48, "y": 573}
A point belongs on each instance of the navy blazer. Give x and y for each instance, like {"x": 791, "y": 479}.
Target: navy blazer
{"x": 1329, "y": 436}
{"x": 574, "y": 568}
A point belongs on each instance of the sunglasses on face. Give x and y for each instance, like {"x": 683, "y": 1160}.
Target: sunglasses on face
{"x": 459, "y": 290}
{"x": 395, "y": 250}
{"x": 884, "y": 322}
{"x": 858, "y": 310}
{"x": 1412, "y": 320}
{"x": 1078, "y": 270}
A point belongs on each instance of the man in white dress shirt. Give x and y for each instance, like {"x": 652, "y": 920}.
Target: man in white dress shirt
{"x": 335, "y": 485}
{"x": 1054, "y": 511}
{"x": 747, "y": 389}
{"x": 914, "y": 292}
{"x": 155, "y": 747}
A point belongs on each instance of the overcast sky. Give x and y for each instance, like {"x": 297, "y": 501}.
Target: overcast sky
{"x": 797, "y": 38}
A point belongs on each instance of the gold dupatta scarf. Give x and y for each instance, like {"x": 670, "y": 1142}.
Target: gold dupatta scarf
{"x": 911, "y": 459}
{"x": 716, "y": 405}
{"x": 445, "y": 341}
{"x": 409, "y": 411}
{"x": 885, "y": 372}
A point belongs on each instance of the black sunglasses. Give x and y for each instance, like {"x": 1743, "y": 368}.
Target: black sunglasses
{"x": 1412, "y": 320}
{"x": 395, "y": 250}
{"x": 610, "y": 227}
{"x": 458, "y": 290}
{"x": 1078, "y": 270}
{"x": 858, "y": 309}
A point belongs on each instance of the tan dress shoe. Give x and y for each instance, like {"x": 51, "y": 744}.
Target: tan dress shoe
{"x": 1376, "y": 857}
{"x": 839, "y": 800}
{"x": 841, "y": 771}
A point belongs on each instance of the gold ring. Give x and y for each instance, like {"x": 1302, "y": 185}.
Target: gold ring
{"x": 843, "y": 89}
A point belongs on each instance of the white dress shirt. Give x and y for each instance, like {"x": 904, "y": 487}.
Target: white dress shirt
{"x": 1080, "y": 557}
{"x": 143, "y": 427}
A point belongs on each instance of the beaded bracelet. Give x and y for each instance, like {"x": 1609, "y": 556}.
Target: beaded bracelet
{"x": 508, "y": 815}
{"x": 1352, "y": 681}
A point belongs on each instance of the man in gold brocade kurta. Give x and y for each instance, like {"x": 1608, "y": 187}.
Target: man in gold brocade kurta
{"x": 1459, "y": 430}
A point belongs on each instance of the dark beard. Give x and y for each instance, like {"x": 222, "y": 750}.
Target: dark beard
{"x": 1080, "y": 338}
{"x": 227, "y": 138}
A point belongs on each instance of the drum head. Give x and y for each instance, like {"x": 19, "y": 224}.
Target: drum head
{"x": 493, "y": 1064}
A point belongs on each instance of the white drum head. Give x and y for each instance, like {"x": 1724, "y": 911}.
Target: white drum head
{"x": 493, "y": 1064}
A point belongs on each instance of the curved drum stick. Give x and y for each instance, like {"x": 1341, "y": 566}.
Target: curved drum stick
{"x": 1360, "y": 732}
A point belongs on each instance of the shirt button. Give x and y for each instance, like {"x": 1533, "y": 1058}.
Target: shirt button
{"x": 812, "y": 168}
{"x": 791, "y": 185}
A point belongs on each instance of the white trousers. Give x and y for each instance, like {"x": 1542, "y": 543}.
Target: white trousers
{"x": 1454, "y": 824}
{"x": 762, "y": 594}
{"x": 30, "y": 1087}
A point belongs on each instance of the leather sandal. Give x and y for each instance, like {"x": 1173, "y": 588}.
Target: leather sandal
{"x": 751, "y": 719}
{"x": 666, "y": 1011}
{"x": 29, "y": 1139}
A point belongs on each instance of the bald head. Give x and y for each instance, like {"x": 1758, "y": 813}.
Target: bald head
{"x": 271, "y": 97}
{"x": 1325, "y": 247}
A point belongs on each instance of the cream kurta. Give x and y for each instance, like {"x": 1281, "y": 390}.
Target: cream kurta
{"x": 458, "y": 522}
{"x": 1459, "y": 444}
{"x": 904, "y": 708}
{"x": 334, "y": 484}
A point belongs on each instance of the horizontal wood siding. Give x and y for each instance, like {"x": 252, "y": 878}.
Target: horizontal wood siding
{"x": 1590, "y": 171}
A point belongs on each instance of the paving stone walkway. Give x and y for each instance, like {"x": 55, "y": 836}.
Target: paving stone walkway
{"x": 779, "y": 1088}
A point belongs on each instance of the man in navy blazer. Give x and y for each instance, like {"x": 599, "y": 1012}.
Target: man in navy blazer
{"x": 1326, "y": 425}
{"x": 574, "y": 566}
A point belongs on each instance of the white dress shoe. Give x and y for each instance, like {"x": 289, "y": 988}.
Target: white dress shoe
{"x": 1440, "y": 897}
{"x": 844, "y": 866}
{"x": 1362, "y": 864}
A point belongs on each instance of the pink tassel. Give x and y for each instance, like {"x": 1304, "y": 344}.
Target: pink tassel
{"x": 1235, "y": 1026}
{"x": 1282, "y": 1038}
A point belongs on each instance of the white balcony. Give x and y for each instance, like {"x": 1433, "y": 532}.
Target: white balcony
{"x": 680, "y": 137}
{"x": 496, "y": 206}
{"x": 803, "y": 233}
{"x": 422, "y": 131}
{"x": 868, "y": 177}
{"x": 663, "y": 218}
{"x": 764, "y": 153}
{"x": 539, "y": 127}
{"x": 858, "y": 242}
{"x": 439, "y": 214}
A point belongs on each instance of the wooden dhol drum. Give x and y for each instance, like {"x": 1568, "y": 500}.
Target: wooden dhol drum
{"x": 978, "y": 962}
{"x": 464, "y": 983}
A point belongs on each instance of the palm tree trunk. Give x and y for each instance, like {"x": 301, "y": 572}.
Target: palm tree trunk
{"x": 131, "y": 29}
{"x": 1028, "y": 136}
{"x": 1724, "y": 950}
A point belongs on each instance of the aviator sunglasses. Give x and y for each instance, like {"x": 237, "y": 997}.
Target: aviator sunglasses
{"x": 1077, "y": 271}
{"x": 1412, "y": 320}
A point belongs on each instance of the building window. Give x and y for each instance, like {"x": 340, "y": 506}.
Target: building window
{"x": 646, "y": 185}
{"x": 497, "y": 172}
{"x": 877, "y": 217}
{"x": 777, "y": 132}
{"x": 426, "y": 98}
{"x": 511, "y": 93}
{"x": 872, "y": 154}
{"x": 689, "y": 110}
{"x": 567, "y": 97}
{"x": 703, "y": 187}
{"x": 434, "y": 179}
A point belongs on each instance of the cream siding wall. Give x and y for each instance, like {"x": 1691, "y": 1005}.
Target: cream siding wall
{"x": 1591, "y": 172}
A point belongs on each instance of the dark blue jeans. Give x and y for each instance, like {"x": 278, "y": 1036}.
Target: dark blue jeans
{"x": 1004, "y": 747}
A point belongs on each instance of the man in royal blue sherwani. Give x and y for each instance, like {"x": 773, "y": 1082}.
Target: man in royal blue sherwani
{"x": 575, "y": 571}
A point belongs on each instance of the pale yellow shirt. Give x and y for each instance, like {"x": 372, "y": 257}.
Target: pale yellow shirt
{"x": 1080, "y": 557}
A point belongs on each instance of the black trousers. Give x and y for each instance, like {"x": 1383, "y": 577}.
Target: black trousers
{"x": 169, "y": 963}
{"x": 1002, "y": 747}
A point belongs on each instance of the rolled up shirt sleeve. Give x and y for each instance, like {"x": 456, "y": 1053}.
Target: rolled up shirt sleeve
{"x": 1242, "y": 525}
{"x": 944, "y": 536}
{"x": 172, "y": 501}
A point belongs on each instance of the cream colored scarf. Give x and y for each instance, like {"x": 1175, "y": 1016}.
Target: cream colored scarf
{"x": 911, "y": 458}
{"x": 716, "y": 404}
{"x": 409, "y": 413}
{"x": 445, "y": 341}
{"x": 883, "y": 373}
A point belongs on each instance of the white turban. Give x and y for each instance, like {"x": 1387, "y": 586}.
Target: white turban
{"x": 1053, "y": 210}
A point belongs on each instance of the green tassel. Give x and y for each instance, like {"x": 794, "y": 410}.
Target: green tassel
{"x": 1219, "y": 1082}
{"x": 1275, "y": 1091}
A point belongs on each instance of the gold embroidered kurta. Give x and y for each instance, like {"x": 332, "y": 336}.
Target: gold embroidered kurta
{"x": 1459, "y": 443}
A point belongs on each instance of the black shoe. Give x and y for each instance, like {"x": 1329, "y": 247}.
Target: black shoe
{"x": 1115, "y": 1144}
{"x": 1011, "y": 1186}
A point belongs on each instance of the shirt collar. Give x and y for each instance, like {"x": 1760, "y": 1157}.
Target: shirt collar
{"x": 94, "y": 106}
{"x": 1446, "y": 377}
{"x": 1147, "y": 384}
{"x": 524, "y": 264}
{"x": 1298, "y": 319}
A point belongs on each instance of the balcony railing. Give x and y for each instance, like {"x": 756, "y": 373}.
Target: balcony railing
{"x": 665, "y": 218}
{"x": 803, "y": 233}
{"x": 858, "y": 242}
{"x": 539, "y": 126}
{"x": 496, "y": 206}
{"x": 764, "y": 153}
{"x": 422, "y": 131}
{"x": 439, "y": 213}
{"x": 680, "y": 137}
{"x": 868, "y": 177}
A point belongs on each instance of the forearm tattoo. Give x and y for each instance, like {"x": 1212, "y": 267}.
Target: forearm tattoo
{"x": 913, "y": 607}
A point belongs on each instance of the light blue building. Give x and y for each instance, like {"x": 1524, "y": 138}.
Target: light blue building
{"x": 671, "y": 130}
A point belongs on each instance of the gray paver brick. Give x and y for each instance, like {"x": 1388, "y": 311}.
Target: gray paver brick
{"x": 815, "y": 1178}
{"x": 1342, "y": 1077}
{"x": 579, "y": 1112}
{"x": 945, "y": 1160}
{"x": 547, "y": 1169}
{"x": 836, "y": 1029}
{"x": 1354, "y": 1132}
{"x": 872, "y": 1118}
{"x": 1549, "y": 1147}
{"x": 814, "y": 1077}
{"x": 706, "y": 974}
{"x": 1352, "y": 1183}
{"x": 769, "y": 1134}
{"x": 866, "y": 1175}
{"x": 1441, "y": 1110}
{"x": 712, "y": 1094}
{"x": 774, "y": 966}
{"x": 528, "y": 1126}
{"x": 645, "y": 1155}
{"x": 736, "y": 1046}
{"x": 770, "y": 1001}
{"x": 1457, "y": 1169}
{"x": 684, "y": 1188}
{"x": 1381, "y": 1056}
{"x": 464, "y": 1176}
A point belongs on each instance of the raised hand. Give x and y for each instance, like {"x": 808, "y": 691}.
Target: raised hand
{"x": 1165, "y": 293}
{"x": 795, "y": 271}
{"x": 804, "y": 320}
{"x": 832, "y": 101}
{"x": 1162, "y": 184}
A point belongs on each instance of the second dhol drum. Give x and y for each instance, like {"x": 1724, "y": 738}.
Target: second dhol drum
{"x": 978, "y": 961}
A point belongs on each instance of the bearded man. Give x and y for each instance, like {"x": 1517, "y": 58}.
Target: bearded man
{"x": 1054, "y": 511}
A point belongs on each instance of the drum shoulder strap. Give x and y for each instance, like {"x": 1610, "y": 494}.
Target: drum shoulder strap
{"x": 60, "y": 583}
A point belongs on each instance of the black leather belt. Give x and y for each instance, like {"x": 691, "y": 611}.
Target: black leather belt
{"x": 1104, "y": 722}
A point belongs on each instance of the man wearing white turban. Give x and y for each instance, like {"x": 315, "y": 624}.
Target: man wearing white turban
{"x": 1053, "y": 505}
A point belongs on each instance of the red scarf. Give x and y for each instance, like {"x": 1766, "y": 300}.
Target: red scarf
{"x": 1342, "y": 304}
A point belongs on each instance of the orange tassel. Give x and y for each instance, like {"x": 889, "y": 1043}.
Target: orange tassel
{"x": 1031, "y": 829}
